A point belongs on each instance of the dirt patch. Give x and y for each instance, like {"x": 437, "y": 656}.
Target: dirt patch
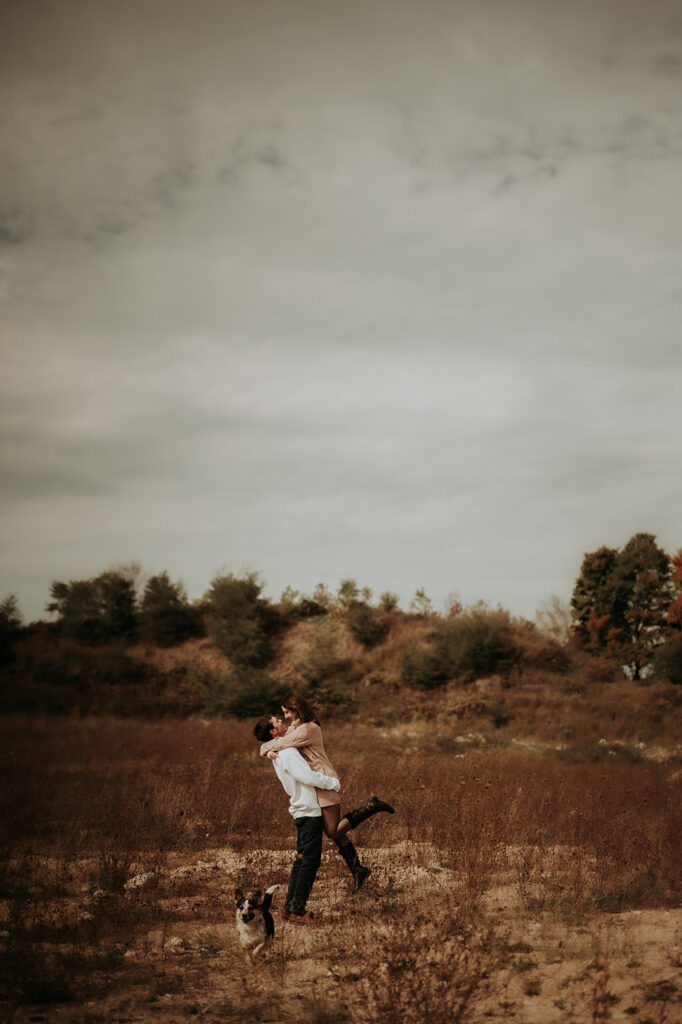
{"x": 164, "y": 948}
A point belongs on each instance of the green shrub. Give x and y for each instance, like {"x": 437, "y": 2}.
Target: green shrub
{"x": 253, "y": 693}
{"x": 246, "y": 693}
{"x": 307, "y": 608}
{"x": 166, "y": 616}
{"x": 321, "y": 664}
{"x": 98, "y": 610}
{"x": 210, "y": 690}
{"x": 366, "y": 625}
{"x": 668, "y": 661}
{"x": 475, "y": 643}
{"x": 112, "y": 666}
{"x": 295, "y": 607}
{"x": 79, "y": 667}
{"x": 56, "y": 677}
{"x": 332, "y": 698}
{"x": 240, "y": 622}
{"x": 348, "y": 592}
{"x": 425, "y": 668}
{"x": 10, "y": 629}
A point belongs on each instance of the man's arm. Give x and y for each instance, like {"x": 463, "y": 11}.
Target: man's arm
{"x": 300, "y": 736}
{"x": 297, "y": 767}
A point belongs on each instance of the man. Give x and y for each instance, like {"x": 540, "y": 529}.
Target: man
{"x": 299, "y": 782}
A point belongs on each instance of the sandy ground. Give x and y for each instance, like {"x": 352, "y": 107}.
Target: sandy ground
{"x": 165, "y": 949}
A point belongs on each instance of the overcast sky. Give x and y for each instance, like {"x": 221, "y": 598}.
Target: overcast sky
{"x": 387, "y": 289}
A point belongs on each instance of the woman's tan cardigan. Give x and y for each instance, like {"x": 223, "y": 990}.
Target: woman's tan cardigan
{"x": 307, "y": 736}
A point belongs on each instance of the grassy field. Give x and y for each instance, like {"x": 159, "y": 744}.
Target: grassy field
{"x": 520, "y": 879}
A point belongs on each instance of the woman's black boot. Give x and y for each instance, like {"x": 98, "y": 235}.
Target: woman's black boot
{"x": 373, "y": 806}
{"x": 360, "y": 874}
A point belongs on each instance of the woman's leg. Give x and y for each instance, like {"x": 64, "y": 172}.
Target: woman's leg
{"x": 334, "y": 827}
{"x": 336, "y": 830}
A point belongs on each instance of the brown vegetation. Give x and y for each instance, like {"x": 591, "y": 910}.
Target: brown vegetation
{"x": 524, "y": 880}
{"x": 533, "y": 871}
{"x": 545, "y": 689}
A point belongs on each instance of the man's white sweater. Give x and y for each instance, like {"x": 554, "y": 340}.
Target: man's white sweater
{"x": 300, "y": 783}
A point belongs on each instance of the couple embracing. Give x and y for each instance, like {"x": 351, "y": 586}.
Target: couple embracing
{"x": 312, "y": 785}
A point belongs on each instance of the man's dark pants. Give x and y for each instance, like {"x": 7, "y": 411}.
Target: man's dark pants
{"x": 306, "y": 863}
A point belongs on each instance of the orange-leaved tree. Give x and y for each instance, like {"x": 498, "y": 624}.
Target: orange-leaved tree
{"x": 621, "y": 600}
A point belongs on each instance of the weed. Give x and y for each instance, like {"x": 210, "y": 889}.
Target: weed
{"x": 601, "y": 999}
{"x": 660, "y": 991}
{"x": 414, "y": 974}
{"x": 91, "y": 805}
{"x": 110, "y": 875}
{"x": 524, "y": 964}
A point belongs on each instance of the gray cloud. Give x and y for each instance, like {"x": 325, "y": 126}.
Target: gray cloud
{"x": 14, "y": 228}
{"x": 392, "y": 293}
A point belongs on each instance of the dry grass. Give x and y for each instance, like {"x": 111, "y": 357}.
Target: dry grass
{"x": 513, "y": 883}
{"x": 550, "y": 693}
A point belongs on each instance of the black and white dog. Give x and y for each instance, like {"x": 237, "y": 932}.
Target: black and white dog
{"x": 255, "y": 925}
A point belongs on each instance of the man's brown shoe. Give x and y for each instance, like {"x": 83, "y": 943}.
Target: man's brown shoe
{"x": 305, "y": 919}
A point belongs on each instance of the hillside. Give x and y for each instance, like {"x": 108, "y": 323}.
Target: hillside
{"x": 542, "y": 690}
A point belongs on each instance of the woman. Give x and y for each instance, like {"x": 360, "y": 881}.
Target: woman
{"x": 306, "y": 734}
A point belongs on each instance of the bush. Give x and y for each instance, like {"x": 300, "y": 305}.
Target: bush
{"x": 10, "y": 628}
{"x": 248, "y": 693}
{"x": 255, "y": 693}
{"x": 81, "y": 667}
{"x": 55, "y": 676}
{"x": 389, "y": 601}
{"x": 98, "y": 610}
{"x": 539, "y": 651}
{"x": 307, "y": 608}
{"x": 668, "y": 661}
{"x": 425, "y": 667}
{"x": 295, "y": 607}
{"x": 240, "y": 621}
{"x": 366, "y": 625}
{"x": 322, "y": 664}
{"x": 166, "y": 617}
{"x": 475, "y": 643}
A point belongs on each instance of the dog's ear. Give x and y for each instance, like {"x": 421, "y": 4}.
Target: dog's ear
{"x": 255, "y": 898}
{"x": 239, "y": 896}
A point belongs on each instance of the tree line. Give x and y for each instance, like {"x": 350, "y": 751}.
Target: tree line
{"x": 626, "y": 606}
{"x": 234, "y": 613}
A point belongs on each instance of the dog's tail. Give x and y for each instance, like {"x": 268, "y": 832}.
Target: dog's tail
{"x": 269, "y": 893}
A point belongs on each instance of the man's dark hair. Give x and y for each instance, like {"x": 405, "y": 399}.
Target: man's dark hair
{"x": 262, "y": 730}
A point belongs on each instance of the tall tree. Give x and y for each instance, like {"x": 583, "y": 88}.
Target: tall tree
{"x": 591, "y": 602}
{"x": 643, "y": 585}
{"x": 620, "y": 602}
{"x": 97, "y": 610}
{"x": 166, "y": 616}
{"x": 240, "y": 621}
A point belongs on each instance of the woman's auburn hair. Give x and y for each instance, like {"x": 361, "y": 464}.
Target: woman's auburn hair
{"x": 297, "y": 703}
